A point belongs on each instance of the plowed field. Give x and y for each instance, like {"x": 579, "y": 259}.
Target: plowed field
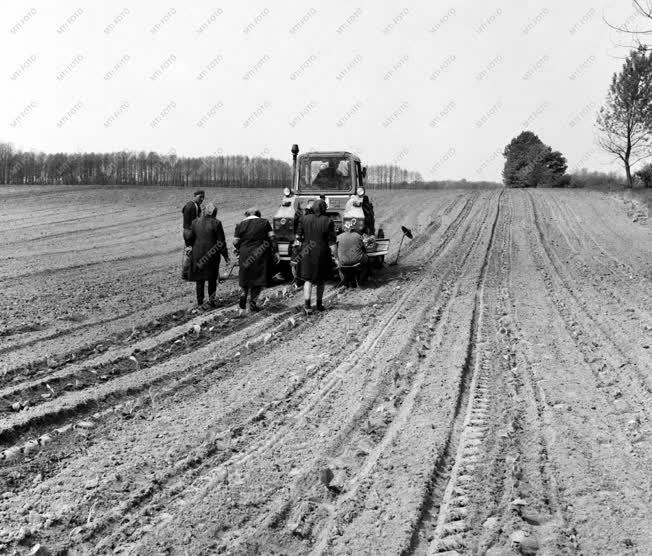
{"x": 490, "y": 394}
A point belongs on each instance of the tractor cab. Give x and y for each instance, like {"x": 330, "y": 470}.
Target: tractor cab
{"x": 337, "y": 177}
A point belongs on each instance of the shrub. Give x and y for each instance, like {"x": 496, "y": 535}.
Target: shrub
{"x": 645, "y": 175}
{"x": 597, "y": 180}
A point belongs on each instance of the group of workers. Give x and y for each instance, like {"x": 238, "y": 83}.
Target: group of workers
{"x": 255, "y": 245}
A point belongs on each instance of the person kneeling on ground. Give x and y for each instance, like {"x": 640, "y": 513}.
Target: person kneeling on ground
{"x": 208, "y": 244}
{"x": 258, "y": 252}
{"x": 316, "y": 233}
{"x": 351, "y": 252}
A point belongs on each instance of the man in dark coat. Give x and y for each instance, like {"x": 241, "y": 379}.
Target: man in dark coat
{"x": 296, "y": 246}
{"x": 317, "y": 235}
{"x": 208, "y": 245}
{"x": 190, "y": 211}
{"x": 258, "y": 253}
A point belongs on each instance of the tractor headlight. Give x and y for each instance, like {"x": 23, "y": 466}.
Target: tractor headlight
{"x": 286, "y": 191}
{"x": 360, "y": 191}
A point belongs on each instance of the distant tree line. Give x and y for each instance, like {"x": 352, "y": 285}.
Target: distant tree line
{"x": 460, "y": 184}
{"x": 383, "y": 176}
{"x": 395, "y": 177}
{"x": 19, "y": 167}
{"x": 139, "y": 168}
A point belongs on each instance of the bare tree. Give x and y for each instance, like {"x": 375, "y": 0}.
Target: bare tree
{"x": 625, "y": 121}
{"x": 643, "y": 9}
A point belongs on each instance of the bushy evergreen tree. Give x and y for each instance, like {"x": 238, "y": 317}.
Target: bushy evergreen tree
{"x": 531, "y": 163}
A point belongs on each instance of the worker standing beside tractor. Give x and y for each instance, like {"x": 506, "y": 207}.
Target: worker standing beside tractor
{"x": 206, "y": 236}
{"x": 317, "y": 235}
{"x": 257, "y": 251}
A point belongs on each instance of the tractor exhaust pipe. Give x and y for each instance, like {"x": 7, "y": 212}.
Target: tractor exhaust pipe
{"x": 295, "y": 152}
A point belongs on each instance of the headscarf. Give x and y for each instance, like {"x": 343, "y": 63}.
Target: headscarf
{"x": 319, "y": 207}
{"x": 210, "y": 209}
{"x": 252, "y": 211}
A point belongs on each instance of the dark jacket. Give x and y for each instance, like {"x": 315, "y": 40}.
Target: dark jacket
{"x": 190, "y": 212}
{"x": 368, "y": 210}
{"x": 316, "y": 232}
{"x": 350, "y": 248}
{"x": 253, "y": 238}
{"x": 208, "y": 244}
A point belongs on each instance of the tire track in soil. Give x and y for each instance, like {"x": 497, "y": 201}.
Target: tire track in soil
{"x": 71, "y": 355}
{"x": 282, "y": 509}
{"x": 97, "y": 352}
{"x": 449, "y": 235}
{"x": 155, "y": 336}
{"x": 579, "y": 229}
{"x": 61, "y": 333}
{"x": 354, "y": 508}
{"x": 49, "y": 320}
{"x": 302, "y": 402}
{"x": 41, "y": 274}
{"x": 86, "y": 400}
{"x": 22, "y": 226}
{"x": 465, "y": 434}
{"x": 607, "y": 224}
{"x": 85, "y": 378}
{"x": 529, "y": 474}
{"x": 616, "y": 377}
{"x": 119, "y": 364}
{"x": 223, "y": 369}
{"x": 555, "y": 516}
{"x": 101, "y": 230}
{"x": 629, "y": 335}
{"x": 435, "y": 312}
{"x": 505, "y": 456}
{"x": 634, "y": 296}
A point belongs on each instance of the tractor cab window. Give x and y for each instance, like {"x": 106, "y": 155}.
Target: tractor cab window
{"x": 325, "y": 173}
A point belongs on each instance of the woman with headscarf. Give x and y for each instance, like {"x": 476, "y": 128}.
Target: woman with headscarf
{"x": 257, "y": 250}
{"x": 317, "y": 235}
{"x": 208, "y": 244}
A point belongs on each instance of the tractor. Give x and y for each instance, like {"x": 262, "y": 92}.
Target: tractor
{"x": 337, "y": 177}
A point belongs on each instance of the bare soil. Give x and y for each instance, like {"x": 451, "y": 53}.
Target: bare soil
{"x": 490, "y": 394}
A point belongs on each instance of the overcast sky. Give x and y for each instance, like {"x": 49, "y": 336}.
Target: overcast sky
{"x": 438, "y": 87}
